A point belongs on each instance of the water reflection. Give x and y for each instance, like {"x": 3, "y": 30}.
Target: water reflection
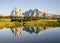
{"x": 17, "y": 31}
{"x": 30, "y": 30}
{"x": 30, "y": 35}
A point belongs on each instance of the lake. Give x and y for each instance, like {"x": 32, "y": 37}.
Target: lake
{"x": 30, "y": 35}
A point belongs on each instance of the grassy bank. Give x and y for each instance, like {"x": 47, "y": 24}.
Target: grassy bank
{"x": 30, "y": 23}
{"x": 10, "y": 24}
{"x": 43, "y": 23}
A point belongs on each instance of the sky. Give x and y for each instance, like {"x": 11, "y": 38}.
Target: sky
{"x": 50, "y": 6}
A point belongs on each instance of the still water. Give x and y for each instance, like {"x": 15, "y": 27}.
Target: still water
{"x": 30, "y": 35}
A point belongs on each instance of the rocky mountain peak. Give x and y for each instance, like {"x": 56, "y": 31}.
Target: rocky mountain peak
{"x": 16, "y": 12}
{"x": 36, "y": 12}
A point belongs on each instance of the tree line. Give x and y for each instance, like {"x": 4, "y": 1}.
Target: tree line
{"x": 24, "y": 19}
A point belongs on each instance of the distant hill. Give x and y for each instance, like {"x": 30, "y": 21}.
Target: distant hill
{"x": 4, "y": 15}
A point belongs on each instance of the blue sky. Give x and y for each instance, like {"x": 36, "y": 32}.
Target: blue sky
{"x": 51, "y": 6}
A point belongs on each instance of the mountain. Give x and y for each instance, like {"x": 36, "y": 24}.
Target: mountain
{"x": 35, "y": 12}
{"x": 38, "y": 12}
{"x": 17, "y": 12}
{"x": 31, "y": 13}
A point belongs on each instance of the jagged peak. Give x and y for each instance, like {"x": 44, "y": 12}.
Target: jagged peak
{"x": 39, "y": 9}
{"x": 30, "y": 10}
{"x": 16, "y": 8}
{"x": 16, "y": 12}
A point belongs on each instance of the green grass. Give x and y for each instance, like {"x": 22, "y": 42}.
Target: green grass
{"x": 5, "y": 20}
{"x": 43, "y": 23}
{"x": 29, "y": 23}
{"x": 10, "y": 24}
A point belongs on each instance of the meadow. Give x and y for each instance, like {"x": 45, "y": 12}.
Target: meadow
{"x": 30, "y": 24}
{"x": 29, "y": 21}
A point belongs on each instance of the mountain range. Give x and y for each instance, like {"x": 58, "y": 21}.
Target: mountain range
{"x": 31, "y": 13}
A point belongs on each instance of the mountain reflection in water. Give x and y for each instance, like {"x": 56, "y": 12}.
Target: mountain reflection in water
{"x": 30, "y": 35}
{"x": 37, "y": 30}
